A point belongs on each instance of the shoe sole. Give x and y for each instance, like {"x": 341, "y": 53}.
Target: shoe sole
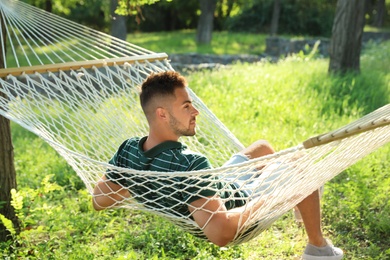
{"x": 311, "y": 257}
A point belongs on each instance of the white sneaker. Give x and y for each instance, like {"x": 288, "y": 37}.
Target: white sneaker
{"x": 328, "y": 252}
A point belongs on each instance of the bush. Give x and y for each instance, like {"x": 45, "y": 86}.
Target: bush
{"x": 303, "y": 17}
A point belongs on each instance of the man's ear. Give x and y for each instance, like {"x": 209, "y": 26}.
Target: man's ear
{"x": 161, "y": 113}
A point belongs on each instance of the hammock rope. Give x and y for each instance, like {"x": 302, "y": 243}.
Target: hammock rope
{"x": 78, "y": 90}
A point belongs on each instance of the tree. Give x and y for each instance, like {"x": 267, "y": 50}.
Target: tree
{"x": 346, "y": 40}
{"x": 380, "y": 13}
{"x": 118, "y": 22}
{"x": 7, "y": 178}
{"x": 205, "y": 23}
{"x": 7, "y": 168}
{"x": 121, "y": 9}
{"x": 48, "y": 5}
{"x": 275, "y": 18}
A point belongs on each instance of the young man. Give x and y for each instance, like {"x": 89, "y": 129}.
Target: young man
{"x": 170, "y": 113}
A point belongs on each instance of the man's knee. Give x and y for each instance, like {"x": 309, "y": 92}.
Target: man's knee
{"x": 258, "y": 149}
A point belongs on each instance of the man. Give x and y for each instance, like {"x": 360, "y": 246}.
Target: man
{"x": 170, "y": 114}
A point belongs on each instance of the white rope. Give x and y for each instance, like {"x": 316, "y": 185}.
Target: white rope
{"x": 59, "y": 40}
{"x": 11, "y": 43}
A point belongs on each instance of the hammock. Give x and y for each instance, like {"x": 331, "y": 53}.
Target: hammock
{"x": 77, "y": 88}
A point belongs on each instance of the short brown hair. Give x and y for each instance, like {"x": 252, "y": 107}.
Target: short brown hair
{"x": 162, "y": 84}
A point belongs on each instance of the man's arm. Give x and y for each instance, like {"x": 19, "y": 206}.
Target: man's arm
{"x": 106, "y": 193}
{"x": 220, "y": 225}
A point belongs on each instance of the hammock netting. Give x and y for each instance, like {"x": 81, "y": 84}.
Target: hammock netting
{"x": 77, "y": 88}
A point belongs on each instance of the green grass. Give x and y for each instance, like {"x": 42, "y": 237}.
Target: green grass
{"x": 368, "y": 28}
{"x": 169, "y": 42}
{"x": 285, "y": 103}
{"x": 184, "y": 42}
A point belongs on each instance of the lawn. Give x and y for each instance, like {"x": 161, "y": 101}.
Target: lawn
{"x": 184, "y": 42}
{"x": 284, "y": 102}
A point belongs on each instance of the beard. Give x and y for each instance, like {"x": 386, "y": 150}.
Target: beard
{"x": 179, "y": 129}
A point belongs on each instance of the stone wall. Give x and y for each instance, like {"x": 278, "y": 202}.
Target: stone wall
{"x": 194, "y": 61}
{"x": 376, "y": 36}
{"x": 281, "y": 46}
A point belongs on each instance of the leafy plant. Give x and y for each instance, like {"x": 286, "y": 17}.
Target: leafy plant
{"x": 8, "y": 224}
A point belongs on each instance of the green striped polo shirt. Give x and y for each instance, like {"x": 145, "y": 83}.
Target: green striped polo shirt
{"x": 164, "y": 192}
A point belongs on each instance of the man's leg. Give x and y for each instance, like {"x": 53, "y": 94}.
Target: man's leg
{"x": 311, "y": 215}
{"x": 309, "y": 207}
{"x": 310, "y": 210}
{"x": 258, "y": 149}
{"x": 317, "y": 248}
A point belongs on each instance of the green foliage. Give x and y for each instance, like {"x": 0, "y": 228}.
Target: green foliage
{"x": 168, "y": 16}
{"x": 253, "y": 17}
{"x": 7, "y": 224}
{"x": 131, "y": 7}
{"x": 296, "y": 17}
{"x": 17, "y": 200}
{"x": 92, "y": 13}
{"x": 372, "y": 12}
{"x": 56, "y": 6}
{"x": 302, "y": 17}
{"x": 284, "y": 102}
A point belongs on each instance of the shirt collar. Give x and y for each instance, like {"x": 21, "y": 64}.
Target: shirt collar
{"x": 158, "y": 149}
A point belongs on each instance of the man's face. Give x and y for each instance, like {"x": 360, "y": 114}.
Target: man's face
{"x": 182, "y": 114}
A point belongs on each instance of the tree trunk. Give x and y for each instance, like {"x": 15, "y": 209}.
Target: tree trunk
{"x": 368, "y": 7}
{"x": 118, "y": 22}
{"x": 7, "y": 177}
{"x": 205, "y": 23}
{"x": 275, "y": 18}
{"x": 7, "y": 168}
{"x": 48, "y": 6}
{"x": 379, "y": 15}
{"x": 346, "y": 41}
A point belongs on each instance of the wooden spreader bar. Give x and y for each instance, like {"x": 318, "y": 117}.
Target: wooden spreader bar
{"x": 81, "y": 64}
{"x": 343, "y": 133}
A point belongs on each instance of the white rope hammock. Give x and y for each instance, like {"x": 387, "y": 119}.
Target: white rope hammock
{"x": 78, "y": 90}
